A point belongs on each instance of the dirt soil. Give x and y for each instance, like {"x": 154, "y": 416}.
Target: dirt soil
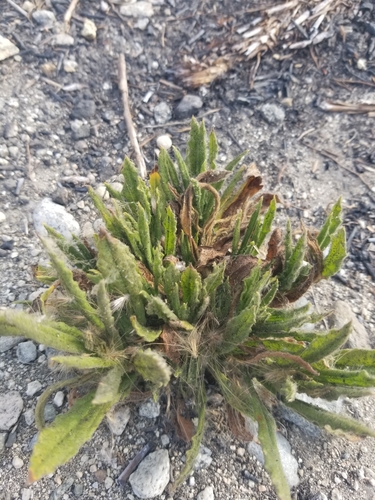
{"x": 305, "y": 157}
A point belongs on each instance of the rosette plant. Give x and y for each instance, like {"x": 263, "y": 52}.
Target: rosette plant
{"x": 189, "y": 282}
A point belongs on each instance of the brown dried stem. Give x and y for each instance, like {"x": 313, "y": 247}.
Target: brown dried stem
{"x": 69, "y": 13}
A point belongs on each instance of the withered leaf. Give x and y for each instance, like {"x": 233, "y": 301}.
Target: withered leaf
{"x": 212, "y": 176}
{"x": 247, "y": 190}
{"x": 185, "y": 427}
{"x": 207, "y": 255}
{"x": 170, "y": 343}
{"x": 273, "y": 244}
{"x": 239, "y": 267}
{"x": 237, "y": 425}
{"x": 186, "y": 211}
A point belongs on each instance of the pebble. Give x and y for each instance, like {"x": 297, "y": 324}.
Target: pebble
{"x": 142, "y": 23}
{"x": 108, "y": 483}
{"x": 336, "y": 494}
{"x": 11, "y": 130}
{"x": 33, "y": 388}
{"x": 89, "y": 30}
{"x": 61, "y": 196}
{"x": 164, "y": 141}
{"x": 78, "y": 489}
{"x": 162, "y": 113}
{"x": 12, "y": 438}
{"x": 58, "y": 400}
{"x": 164, "y": 440}
{"x": 118, "y": 418}
{"x": 3, "y": 438}
{"x": 203, "y": 459}
{"x": 32, "y": 441}
{"x": 138, "y": 9}
{"x": 49, "y": 413}
{"x": 28, "y": 6}
{"x": 29, "y": 416}
{"x": 80, "y": 130}
{"x": 342, "y": 314}
{"x": 63, "y": 39}
{"x": 55, "y": 216}
{"x": 7, "y": 48}
{"x": 26, "y": 494}
{"x": 85, "y": 108}
{"x": 7, "y": 343}
{"x": 188, "y": 106}
{"x": 149, "y": 409}
{"x": 43, "y": 17}
{"x": 272, "y": 113}
{"x": 2, "y": 217}
{"x": 70, "y": 66}
{"x": 17, "y": 462}
{"x": 152, "y": 475}
{"x": 206, "y": 494}
{"x": 26, "y": 352}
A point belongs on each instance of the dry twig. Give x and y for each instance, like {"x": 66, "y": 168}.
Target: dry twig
{"x": 343, "y": 107}
{"x": 18, "y": 8}
{"x": 123, "y": 86}
{"x": 69, "y": 13}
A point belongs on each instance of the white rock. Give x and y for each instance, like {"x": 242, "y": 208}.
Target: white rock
{"x": 331, "y": 406}
{"x": 138, "y": 9}
{"x": 3, "y": 440}
{"x": 28, "y": 6}
{"x": 142, "y": 23}
{"x": 33, "y": 388}
{"x": 342, "y": 314}
{"x": 2, "y": 217}
{"x": 162, "y": 113}
{"x": 118, "y": 418}
{"x": 27, "y": 494}
{"x": 58, "y": 400}
{"x": 101, "y": 191}
{"x": 56, "y": 216}
{"x": 206, "y": 494}
{"x": 62, "y": 39}
{"x": 29, "y": 416}
{"x": 108, "y": 483}
{"x": 43, "y": 17}
{"x": 104, "y": 7}
{"x": 149, "y": 409}
{"x": 89, "y": 30}
{"x": 164, "y": 440}
{"x": 70, "y": 66}
{"x": 7, "y": 48}
{"x": 152, "y": 475}
{"x": 203, "y": 459}
{"x": 17, "y": 462}
{"x": 164, "y": 141}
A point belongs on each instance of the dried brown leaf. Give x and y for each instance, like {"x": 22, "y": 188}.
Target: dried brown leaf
{"x": 186, "y": 211}
{"x": 212, "y": 176}
{"x": 236, "y": 423}
{"x": 274, "y": 244}
{"x": 249, "y": 188}
{"x": 238, "y": 268}
{"x": 170, "y": 343}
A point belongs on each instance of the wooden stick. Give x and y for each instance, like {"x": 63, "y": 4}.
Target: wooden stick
{"x": 21, "y": 11}
{"x": 69, "y": 13}
{"x": 123, "y": 86}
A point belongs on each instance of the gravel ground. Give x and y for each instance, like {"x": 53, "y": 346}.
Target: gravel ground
{"x": 62, "y": 128}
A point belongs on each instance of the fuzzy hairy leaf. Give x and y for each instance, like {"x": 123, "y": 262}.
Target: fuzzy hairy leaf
{"x": 130, "y": 187}
{"x": 184, "y": 172}
{"x": 146, "y": 333}
{"x": 84, "y": 362}
{"x": 252, "y": 227}
{"x": 215, "y": 278}
{"x": 267, "y": 223}
{"x": 356, "y": 358}
{"x": 324, "y": 345}
{"x": 337, "y": 253}
{"x": 196, "y": 149}
{"x": 359, "y": 378}
{"x": 167, "y": 169}
{"x": 170, "y": 232}
{"x": 191, "y": 287}
{"x": 323, "y": 418}
{"x": 104, "y": 307}
{"x": 332, "y": 392}
{"x": 333, "y": 221}
{"x": 144, "y": 235}
{"x": 157, "y": 307}
{"x": 212, "y": 150}
{"x": 152, "y": 367}
{"x": 294, "y": 264}
{"x": 61, "y": 440}
{"x": 108, "y": 386}
{"x": 239, "y": 328}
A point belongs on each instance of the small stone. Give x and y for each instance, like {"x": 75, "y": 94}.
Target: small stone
{"x": 29, "y": 416}
{"x": 85, "y": 108}
{"x": 100, "y": 474}
{"x": 78, "y": 489}
{"x": 28, "y": 6}
{"x": 188, "y": 106}
{"x": 108, "y": 483}
{"x": 336, "y": 494}
{"x": 343, "y": 314}
{"x": 118, "y": 418}
{"x": 149, "y": 409}
{"x": 11, "y": 130}
{"x": 164, "y": 141}
{"x": 101, "y": 191}
{"x": 138, "y": 9}
{"x": 58, "y": 400}
{"x": 61, "y": 196}
{"x": 27, "y": 494}
{"x": 80, "y": 130}
{"x": 43, "y": 17}
{"x": 272, "y": 113}
{"x": 32, "y": 441}
{"x": 191, "y": 481}
{"x": 164, "y": 440}
{"x": 17, "y": 462}
{"x": 204, "y": 459}
{"x": 3, "y": 438}
{"x": 47, "y": 212}
{"x": 26, "y": 352}
{"x": 206, "y": 494}
{"x": 142, "y": 23}
{"x": 33, "y": 388}
{"x": 162, "y": 113}
{"x": 63, "y": 39}
{"x": 7, "y": 48}
{"x": 4, "y": 151}
{"x": 2, "y": 219}
{"x": 152, "y": 475}
{"x": 241, "y": 452}
{"x": 49, "y": 413}
{"x": 7, "y": 343}
{"x": 70, "y": 66}
{"x": 89, "y": 30}
{"x": 81, "y": 204}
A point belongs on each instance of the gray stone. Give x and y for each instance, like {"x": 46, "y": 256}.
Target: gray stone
{"x": 188, "y": 106}
{"x": 7, "y": 343}
{"x": 47, "y": 212}
{"x": 61, "y": 196}
{"x": 33, "y": 388}
{"x": 342, "y": 314}
{"x": 255, "y": 450}
{"x": 203, "y": 459}
{"x": 7, "y": 48}
{"x": 3, "y": 438}
{"x": 84, "y": 109}
{"x": 272, "y": 113}
{"x": 309, "y": 429}
{"x": 80, "y": 130}
{"x": 11, "y": 130}
{"x": 149, "y": 409}
{"x": 59, "y": 492}
{"x": 26, "y": 352}
{"x": 331, "y": 406}
{"x": 164, "y": 440}
{"x": 44, "y": 17}
{"x": 118, "y": 418}
{"x": 29, "y": 416}
{"x": 78, "y": 489}
{"x": 32, "y": 441}
{"x": 108, "y": 483}
{"x": 58, "y": 400}
{"x": 27, "y": 494}
{"x": 63, "y": 40}
{"x": 4, "y": 151}
{"x": 12, "y": 438}
{"x": 2, "y": 217}
{"x": 162, "y": 113}
{"x": 17, "y": 462}
{"x": 138, "y": 9}
{"x": 152, "y": 475}
{"x": 49, "y": 413}
{"x": 206, "y": 494}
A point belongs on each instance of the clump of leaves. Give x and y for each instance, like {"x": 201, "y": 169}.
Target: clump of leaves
{"x": 190, "y": 279}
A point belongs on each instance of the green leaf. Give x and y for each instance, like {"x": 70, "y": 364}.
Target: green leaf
{"x": 268, "y": 441}
{"x": 18, "y": 323}
{"x": 293, "y": 265}
{"x": 157, "y": 266}
{"x": 157, "y": 307}
{"x": 333, "y": 221}
{"x": 359, "y": 378}
{"x": 270, "y": 295}
{"x": 252, "y": 227}
{"x": 146, "y": 333}
{"x": 229, "y": 195}
{"x": 214, "y": 279}
{"x": 212, "y": 150}
{"x": 332, "y": 392}
{"x": 337, "y": 253}
{"x": 152, "y": 367}
{"x": 239, "y": 328}
{"x": 108, "y": 387}
{"x": 324, "y": 418}
{"x": 131, "y": 176}
{"x": 185, "y": 176}
{"x": 236, "y": 233}
{"x": 171, "y": 282}
{"x": 324, "y": 345}
{"x": 61, "y": 440}
{"x": 112, "y": 336}
{"x": 110, "y": 220}
{"x": 267, "y": 223}
{"x": 168, "y": 170}
{"x": 196, "y": 149}
{"x": 84, "y": 362}
{"x": 358, "y": 358}
{"x": 144, "y": 235}
{"x": 235, "y": 161}
{"x": 191, "y": 287}
{"x": 170, "y": 231}
{"x": 281, "y": 321}
{"x": 73, "y": 290}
